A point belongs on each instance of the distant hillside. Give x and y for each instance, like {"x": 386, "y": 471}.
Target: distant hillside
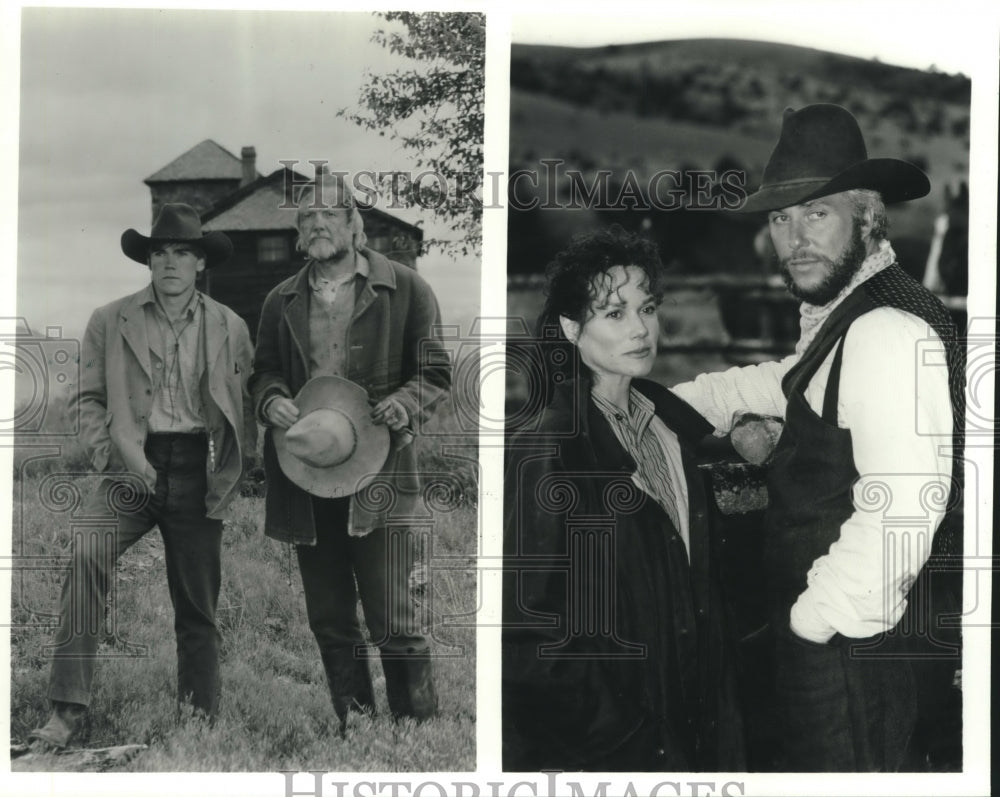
{"x": 728, "y": 82}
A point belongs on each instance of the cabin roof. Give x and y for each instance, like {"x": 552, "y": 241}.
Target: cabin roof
{"x": 204, "y": 161}
{"x": 257, "y": 206}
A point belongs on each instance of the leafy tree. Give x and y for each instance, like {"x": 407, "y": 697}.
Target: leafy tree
{"x": 435, "y": 110}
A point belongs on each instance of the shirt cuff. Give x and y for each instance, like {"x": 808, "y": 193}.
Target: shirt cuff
{"x": 401, "y": 438}
{"x": 806, "y": 622}
{"x": 267, "y": 403}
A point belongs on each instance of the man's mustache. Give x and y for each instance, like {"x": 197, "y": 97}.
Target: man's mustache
{"x": 804, "y": 257}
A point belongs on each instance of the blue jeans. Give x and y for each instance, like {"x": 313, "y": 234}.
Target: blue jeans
{"x": 192, "y": 546}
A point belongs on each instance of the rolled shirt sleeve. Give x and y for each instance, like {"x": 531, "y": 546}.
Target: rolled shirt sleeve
{"x": 721, "y": 396}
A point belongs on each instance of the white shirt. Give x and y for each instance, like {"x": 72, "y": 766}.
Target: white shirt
{"x": 894, "y": 397}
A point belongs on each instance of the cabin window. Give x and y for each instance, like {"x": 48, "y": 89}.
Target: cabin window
{"x": 273, "y": 249}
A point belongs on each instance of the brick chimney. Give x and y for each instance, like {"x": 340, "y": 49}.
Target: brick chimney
{"x": 249, "y": 157}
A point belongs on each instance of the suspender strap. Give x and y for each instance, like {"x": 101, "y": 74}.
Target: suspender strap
{"x": 833, "y": 385}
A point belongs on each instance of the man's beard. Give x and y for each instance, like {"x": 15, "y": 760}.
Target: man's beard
{"x": 332, "y": 248}
{"x": 839, "y": 272}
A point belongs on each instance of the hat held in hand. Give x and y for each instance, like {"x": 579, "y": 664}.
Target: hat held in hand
{"x": 334, "y": 449}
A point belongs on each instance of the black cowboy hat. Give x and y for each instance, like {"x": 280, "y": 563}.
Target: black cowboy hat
{"x": 177, "y": 222}
{"x": 820, "y": 152}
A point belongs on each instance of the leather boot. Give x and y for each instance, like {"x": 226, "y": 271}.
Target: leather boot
{"x": 350, "y": 681}
{"x": 409, "y": 686}
{"x": 65, "y": 723}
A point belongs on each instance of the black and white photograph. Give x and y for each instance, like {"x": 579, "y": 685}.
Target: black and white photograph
{"x": 735, "y": 492}
{"x": 244, "y": 285}
{"x": 480, "y": 399}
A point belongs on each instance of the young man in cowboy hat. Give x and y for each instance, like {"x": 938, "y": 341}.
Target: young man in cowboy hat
{"x": 352, "y": 314}
{"x": 869, "y": 429}
{"x": 161, "y": 407}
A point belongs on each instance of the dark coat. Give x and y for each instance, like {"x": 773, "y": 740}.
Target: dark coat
{"x": 638, "y": 672}
{"x": 392, "y": 350}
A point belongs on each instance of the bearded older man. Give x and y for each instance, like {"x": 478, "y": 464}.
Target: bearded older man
{"x": 352, "y": 313}
{"x": 864, "y": 415}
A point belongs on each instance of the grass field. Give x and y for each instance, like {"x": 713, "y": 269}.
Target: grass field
{"x": 275, "y": 711}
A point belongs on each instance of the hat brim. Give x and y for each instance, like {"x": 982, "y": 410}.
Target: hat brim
{"x": 896, "y": 180}
{"x": 218, "y": 248}
{"x": 370, "y": 454}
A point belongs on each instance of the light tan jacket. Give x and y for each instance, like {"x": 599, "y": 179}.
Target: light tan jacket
{"x": 115, "y": 394}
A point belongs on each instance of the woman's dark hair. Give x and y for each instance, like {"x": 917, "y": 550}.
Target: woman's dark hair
{"x": 571, "y": 280}
{"x": 572, "y": 276}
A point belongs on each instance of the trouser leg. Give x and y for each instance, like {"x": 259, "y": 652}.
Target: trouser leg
{"x": 192, "y": 546}
{"x": 843, "y": 708}
{"x": 349, "y": 679}
{"x": 383, "y": 560}
{"x": 88, "y": 579}
{"x": 813, "y": 711}
{"x": 331, "y": 606}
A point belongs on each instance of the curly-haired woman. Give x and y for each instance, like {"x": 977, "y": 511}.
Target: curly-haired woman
{"x": 615, "y": 656}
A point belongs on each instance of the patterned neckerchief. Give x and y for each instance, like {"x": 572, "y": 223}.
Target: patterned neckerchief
{"x": 812, "y": 316}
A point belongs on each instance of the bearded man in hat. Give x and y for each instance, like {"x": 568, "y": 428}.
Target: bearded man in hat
{"x": 350, "y": 314}
{"x": 162, "y": 418}
{"x": 870, "y": 432}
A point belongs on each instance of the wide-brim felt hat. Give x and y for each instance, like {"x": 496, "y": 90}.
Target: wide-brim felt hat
{"x": 334, "y": 449}
{"x": 820, "y": 152}
{"x": 177, "y": 223}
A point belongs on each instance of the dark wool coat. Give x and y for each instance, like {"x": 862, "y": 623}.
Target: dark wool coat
{"x": 615, "y": 656}
{"x": 392, "y": 351}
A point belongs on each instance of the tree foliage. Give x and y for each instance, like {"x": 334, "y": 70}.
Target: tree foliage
{"x": 435, "y": 110}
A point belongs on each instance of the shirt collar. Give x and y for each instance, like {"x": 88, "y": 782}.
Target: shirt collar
{"x": 640, "y": 410}
{"x": 361, "y": 269}
{"x": 147, "y": 296}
